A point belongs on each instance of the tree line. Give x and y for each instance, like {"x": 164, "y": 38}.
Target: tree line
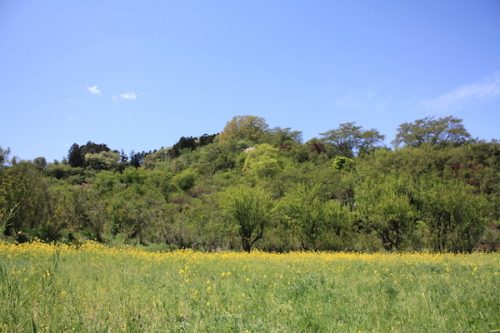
{"x": 252, "y": 186}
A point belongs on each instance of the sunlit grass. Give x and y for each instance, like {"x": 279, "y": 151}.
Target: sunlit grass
{"x": 99, "y": 289}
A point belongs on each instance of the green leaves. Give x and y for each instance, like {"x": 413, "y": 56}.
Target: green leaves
{"x": 262, "y": 161}
{"x": 185, "y": 179}
{"x": 250, "y": 208}
{"x": 383, "y": 204}
{"x": 349, "y": 139}
{"x": 311, "y": 216}
{"x": 445, "y": 130}
{"x": 248, "y": 128}
{"x": 453, "y": 214}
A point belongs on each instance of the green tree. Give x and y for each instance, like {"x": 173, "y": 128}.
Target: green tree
{"x": 75, "y": 156}
{"x": 105, "y": 160}
{"x": 262, "y": 161}
{"x": 311, "y": 216}
{"x": 302, "y": 210}
{"x": 445, "y": 130}
{"x": 217, "y": 157}
{"x": 93, "y": 148}
{"x": 105, "y": 183}
{"x": 185, "y": 180}
{"x": 6, "y": 215}
{"x": 453, "y": 213}
{"x": 24, "y": 185}
{"x": 283, "y": 137}
{"x": 250, "y": 208}
{"x": 62, "y": 211}
{"x": 92, "y": 207}
{"x": 40, "y": 163}
{"x": 384, "y": 205}
{"x": 343, "y": 163}
{"x": 135, "y": 212}
{"x": 244, "y": 128}
{"x": 349, "y": 140}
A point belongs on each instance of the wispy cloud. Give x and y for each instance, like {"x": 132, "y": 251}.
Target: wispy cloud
{"x": 487, "y": 88}
{"x": 94, "y": 90}
{"x": 126, "y": 96}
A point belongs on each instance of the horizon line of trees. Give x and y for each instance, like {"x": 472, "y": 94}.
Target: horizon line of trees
{"x": 255, "y": 186}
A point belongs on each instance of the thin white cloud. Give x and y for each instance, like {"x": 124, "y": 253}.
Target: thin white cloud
{"x": 131, "y": 95}
{"x": 126, "y": 96}
{"x": 94, "y": 90}
{"x": 487, "y": 88}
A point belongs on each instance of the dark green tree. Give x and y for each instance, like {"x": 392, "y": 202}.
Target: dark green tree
{"x": 23, "y": 185}
{"x": 206, "y": 139}
{"x": 186, "y": 143}
{"x": 137, "y": 159}
{"x": 75, "y": 156}
{"x": 93, "y": 148}
{"x": 123, "y": 158}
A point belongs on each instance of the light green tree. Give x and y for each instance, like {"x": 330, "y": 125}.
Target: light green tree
{"x": 250, "y": 208}
{"x": 246, "y": 128}
{"x": 262, "y": 161}
{"x": 105, "y": 160}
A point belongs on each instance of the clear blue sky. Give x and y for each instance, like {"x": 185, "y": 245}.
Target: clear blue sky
{"x": 138, "y": 75}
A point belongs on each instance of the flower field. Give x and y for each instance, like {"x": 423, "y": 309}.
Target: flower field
{"x": 92, "y": 288}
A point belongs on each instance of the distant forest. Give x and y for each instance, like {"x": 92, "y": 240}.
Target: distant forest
{"x": 255, "y": 187}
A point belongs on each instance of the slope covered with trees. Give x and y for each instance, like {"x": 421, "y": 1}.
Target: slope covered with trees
{"x": 252, "y": 186}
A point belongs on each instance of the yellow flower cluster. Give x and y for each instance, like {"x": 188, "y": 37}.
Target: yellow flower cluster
{"x": 43, "y": 249}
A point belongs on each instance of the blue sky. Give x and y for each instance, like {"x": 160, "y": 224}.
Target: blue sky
{"x": 138, "y": 75}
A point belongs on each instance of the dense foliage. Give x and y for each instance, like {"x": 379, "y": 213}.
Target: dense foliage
{"x": 252, "y": 186}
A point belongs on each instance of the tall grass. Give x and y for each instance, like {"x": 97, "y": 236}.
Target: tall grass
{"x": 47, "y": 288}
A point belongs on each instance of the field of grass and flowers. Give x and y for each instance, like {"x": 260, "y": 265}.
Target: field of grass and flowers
{"x": 92, "y": 288}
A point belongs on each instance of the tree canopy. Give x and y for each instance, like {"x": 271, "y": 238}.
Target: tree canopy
{"x": 349, "y": 139}
{"x": 444, "y": 130}
{"x": 245, "y": 128}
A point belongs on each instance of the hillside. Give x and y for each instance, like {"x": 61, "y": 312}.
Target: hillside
{"x": 251, "y": 186}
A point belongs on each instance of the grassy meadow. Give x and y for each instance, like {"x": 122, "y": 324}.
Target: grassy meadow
{"x": 47, "y": 288}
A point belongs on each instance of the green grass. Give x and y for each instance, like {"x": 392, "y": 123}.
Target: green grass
{"x": 48, "y": 289}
